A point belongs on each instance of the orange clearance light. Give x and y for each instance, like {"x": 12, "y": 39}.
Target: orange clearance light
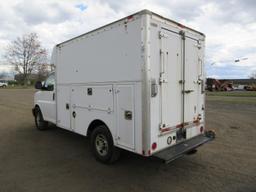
{"x": 154, "y": 146}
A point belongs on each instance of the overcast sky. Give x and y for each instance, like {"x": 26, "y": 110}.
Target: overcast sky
{"x": 230, "y": 25}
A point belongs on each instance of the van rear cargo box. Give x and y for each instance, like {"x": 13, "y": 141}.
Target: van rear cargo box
{"x": 142, "y": 77}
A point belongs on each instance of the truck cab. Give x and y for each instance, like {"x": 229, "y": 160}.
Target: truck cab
{"x": 45, "y": 102}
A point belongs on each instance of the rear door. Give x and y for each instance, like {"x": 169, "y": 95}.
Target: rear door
{"x": 180, "y": 79}
{"x": 193, "y": 79}
{"x": 170, "y": 78}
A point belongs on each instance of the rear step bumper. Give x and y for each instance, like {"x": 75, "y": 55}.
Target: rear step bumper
{"x": 181, "y": 149}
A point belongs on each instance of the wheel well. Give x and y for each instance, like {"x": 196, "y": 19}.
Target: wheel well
{"x": 37, "y": 107}
{"x": 93, "y": 125}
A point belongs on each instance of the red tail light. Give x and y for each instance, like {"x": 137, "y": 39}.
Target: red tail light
{"x": 154, "y": 146}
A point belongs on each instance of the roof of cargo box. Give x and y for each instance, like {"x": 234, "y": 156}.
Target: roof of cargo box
{"x": 145, "y": 11}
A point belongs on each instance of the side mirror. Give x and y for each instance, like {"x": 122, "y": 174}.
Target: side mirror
{"x": 38, "y": 85}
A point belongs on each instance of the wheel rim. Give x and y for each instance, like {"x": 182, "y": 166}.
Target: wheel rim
{"x": 101, "y": 144}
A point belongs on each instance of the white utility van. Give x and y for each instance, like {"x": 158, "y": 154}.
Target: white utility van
{"x": 135, "y": 84}
{"x": 3, "y": 83}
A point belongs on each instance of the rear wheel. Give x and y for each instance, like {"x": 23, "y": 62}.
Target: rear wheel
{"x": 102, "y": 145}
{"x": 41, "y": 124}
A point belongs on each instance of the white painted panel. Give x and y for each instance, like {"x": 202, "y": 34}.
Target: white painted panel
{"x": 94, "y": 99}
{"x": 46, "y": 101}
{"x": 125, "y": 126}
{"x": 192, "y": 67}
{"x": 171, "y": 88}
{"x": 110, "y": 55}
{"x": 63, "y": 106}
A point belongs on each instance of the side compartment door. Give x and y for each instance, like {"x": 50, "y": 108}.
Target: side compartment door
{"x": 63, "y": 107}
{"x": 125, "y": 115}
{"x": 91, "y": 102}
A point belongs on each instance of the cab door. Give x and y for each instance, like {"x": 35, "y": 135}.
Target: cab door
{"x": 47, "y": 99}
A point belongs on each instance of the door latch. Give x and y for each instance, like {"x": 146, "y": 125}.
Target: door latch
{"x": 154, "y": 88}
{"x": 74, "y": 114}
{"x": 128, "y": 115}
{"x": 187, "y": 91}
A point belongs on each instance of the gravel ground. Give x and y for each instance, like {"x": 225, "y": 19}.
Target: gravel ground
{"x": 57, "y": 160}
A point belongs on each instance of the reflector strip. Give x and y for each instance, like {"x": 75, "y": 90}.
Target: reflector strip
{"x": 186, "y": 125}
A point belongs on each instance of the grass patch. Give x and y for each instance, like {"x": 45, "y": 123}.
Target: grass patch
{"x": 232, "y": 100}
{"x": 18, "y": 87}
{"x": 233, "y": 94}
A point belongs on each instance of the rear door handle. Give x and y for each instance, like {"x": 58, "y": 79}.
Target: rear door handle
{"x": 188, "y": 91}
{"x": 53, "y": 96}
{"x": 74, "y": 114}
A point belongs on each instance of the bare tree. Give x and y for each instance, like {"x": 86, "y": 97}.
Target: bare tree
{"x": 43, "y": 71}
{"x": 26, "y": 54}
{"x": 253, "y": 75}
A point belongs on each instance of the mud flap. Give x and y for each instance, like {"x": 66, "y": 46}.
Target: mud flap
{"x": 181, "y": 149}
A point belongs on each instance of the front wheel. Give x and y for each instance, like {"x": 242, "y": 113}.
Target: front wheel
{"x": 102, "y": 145}
{"x": 41, "y": 124}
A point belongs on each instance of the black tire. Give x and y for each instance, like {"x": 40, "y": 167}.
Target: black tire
{"x": 102, "y": 145}
{"x": 41, "y": 124}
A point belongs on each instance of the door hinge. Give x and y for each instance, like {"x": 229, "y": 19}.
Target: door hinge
{"x": 199, "y": 81}
{"x": 162, "y": 79}
{"x": 182, "y": 33}
{"x": 181, "y": 81}
{"x": 162, "y": 35}
{"x": 198, "y": 46}
{"x": 117, "y": 91}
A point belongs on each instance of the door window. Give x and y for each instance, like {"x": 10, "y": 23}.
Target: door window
{"x": 50, "y": 82}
